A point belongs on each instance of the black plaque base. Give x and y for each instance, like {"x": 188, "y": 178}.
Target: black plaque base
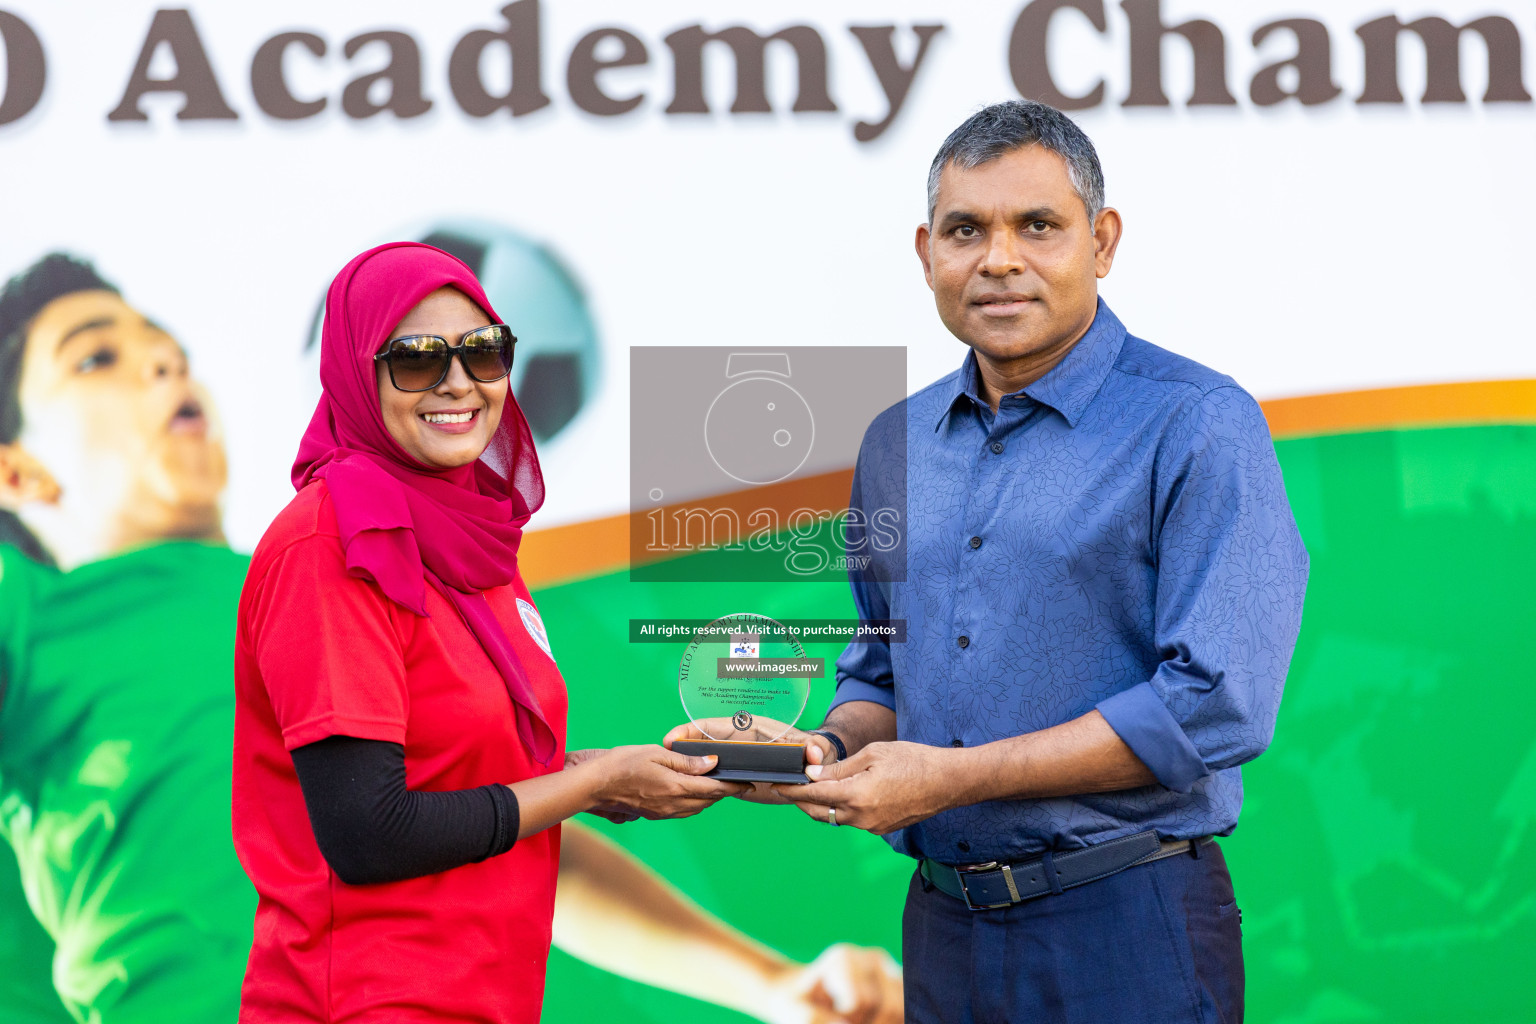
{"x": 742, "y": 761}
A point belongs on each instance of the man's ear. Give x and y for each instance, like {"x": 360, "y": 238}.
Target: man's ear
{"x": 921, "y": 243}
{"x": 1107, "y": 228}
{"x": 24, "y": 480}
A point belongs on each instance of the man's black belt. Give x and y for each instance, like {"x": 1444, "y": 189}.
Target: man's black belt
{"x": 993, "y": 885}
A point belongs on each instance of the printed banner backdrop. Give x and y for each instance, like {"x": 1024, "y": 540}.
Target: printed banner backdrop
{"x": 1329, "y": 202}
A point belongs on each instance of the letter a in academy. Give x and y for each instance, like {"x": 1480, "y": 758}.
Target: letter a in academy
{"x": 194, "y": 77}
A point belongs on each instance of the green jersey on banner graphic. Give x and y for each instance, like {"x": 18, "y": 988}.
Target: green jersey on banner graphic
{"x": 115, "y": 729}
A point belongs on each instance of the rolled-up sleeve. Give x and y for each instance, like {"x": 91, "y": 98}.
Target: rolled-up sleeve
{"x": 864, "y": 669}
{"x": 1231, "y": 577}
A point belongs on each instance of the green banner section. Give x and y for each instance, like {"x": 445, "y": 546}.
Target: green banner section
{"x": 1385, "y": 861}
{"x": 1386, "y": 858}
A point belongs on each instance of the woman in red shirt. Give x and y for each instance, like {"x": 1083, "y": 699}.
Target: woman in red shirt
{"x": 400, "y": 723}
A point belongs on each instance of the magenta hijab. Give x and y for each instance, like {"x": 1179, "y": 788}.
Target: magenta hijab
{"x": 404, "y": 524}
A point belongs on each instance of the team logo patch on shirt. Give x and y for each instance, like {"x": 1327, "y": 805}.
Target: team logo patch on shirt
{"x": 534, "y": 625}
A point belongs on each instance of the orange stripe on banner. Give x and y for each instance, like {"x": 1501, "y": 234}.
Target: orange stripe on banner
{"x": 1426, "y": 405}
{"x": 576, "y": 551}
{"x": 601, "y": 546}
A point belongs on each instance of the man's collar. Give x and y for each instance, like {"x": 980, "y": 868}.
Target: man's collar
{"x": 967, "y": 388}
{"x": 1070, "y": 385}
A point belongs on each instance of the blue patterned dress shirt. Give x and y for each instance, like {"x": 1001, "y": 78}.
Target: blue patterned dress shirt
{"x": 1117, "y": 537}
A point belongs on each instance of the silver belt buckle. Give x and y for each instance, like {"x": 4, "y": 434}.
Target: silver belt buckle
{"x": 991, "y": 865}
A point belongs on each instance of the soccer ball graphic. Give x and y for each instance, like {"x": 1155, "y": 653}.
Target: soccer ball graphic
{"x": 555, "y": 372}
{"x": 759, "y": 430}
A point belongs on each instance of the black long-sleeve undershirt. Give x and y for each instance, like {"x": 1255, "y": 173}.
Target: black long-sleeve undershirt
{"x": 372, "y": 829}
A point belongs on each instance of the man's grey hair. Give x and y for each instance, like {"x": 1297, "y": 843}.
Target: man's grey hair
{"x": 1013, "y": 124}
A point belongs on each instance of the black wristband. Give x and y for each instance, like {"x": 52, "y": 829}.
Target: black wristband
{"x": 835, "y": 740}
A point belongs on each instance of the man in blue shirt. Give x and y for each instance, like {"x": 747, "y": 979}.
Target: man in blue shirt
{"x": 1102, "y": 584}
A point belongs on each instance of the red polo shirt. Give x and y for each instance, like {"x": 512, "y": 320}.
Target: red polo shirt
{"x": 319, "y": 653}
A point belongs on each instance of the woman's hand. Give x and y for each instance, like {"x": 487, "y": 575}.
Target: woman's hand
{"x": 650, "y": 782}
{"x": 616, "y": 813}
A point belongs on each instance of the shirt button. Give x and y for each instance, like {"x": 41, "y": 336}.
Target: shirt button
{"x": 997, "y": 447}
{"x": 957, "y": 743}
{"x": 975, "y": 543}
{"x": 964, "y": 642}
{"x": 964, "y": 846}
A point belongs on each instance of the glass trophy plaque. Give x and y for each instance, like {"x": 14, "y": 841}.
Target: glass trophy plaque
{"x": 744, "y": 681}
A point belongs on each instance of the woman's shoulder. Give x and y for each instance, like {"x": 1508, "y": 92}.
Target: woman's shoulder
{"x": 309, "y": 519}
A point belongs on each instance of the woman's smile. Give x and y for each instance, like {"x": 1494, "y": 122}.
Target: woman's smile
{"x": 452, "y": 421}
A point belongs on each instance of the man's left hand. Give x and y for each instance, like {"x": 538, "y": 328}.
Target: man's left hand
{"x": 884, "y": 787}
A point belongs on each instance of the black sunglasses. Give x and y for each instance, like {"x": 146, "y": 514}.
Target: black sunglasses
{"x": 420, "y": 362}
